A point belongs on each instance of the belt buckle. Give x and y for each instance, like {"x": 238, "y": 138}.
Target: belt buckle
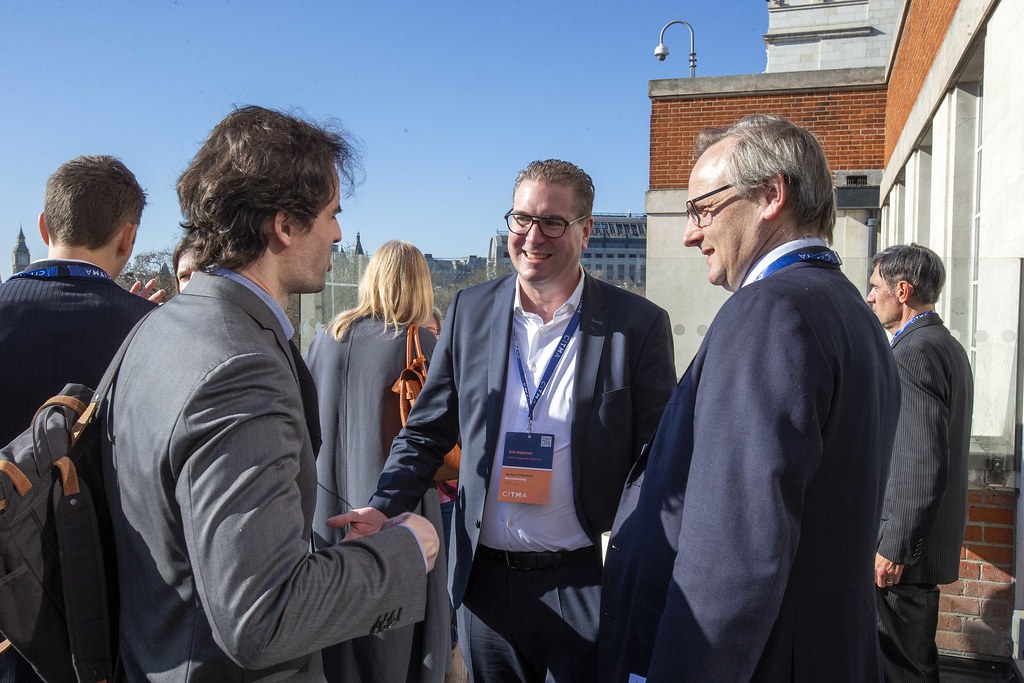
{"x": 522, "y": 564}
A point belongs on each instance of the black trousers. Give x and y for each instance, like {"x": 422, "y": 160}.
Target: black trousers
{"x": 908, "y": 614}
{"x": 531, "y": 626}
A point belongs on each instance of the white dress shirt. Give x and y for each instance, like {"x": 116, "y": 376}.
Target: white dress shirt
{"x": 554, "y": 526}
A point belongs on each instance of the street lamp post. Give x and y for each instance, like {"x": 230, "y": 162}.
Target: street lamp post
{"x": 661, "y": 52}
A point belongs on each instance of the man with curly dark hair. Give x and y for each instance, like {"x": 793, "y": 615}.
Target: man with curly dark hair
{"x": 211, "y": 470}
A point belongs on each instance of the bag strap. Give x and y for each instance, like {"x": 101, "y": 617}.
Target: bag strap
{"x": 410, "y": 332}
{"x": 104, "y": 386}
{"x": 413, "y": 350}
{"x": 82, "y": 567}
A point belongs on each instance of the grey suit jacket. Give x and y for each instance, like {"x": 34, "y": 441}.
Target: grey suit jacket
{"x": 212, "y": 485}
{"x": 624, "y": 375}
{"x": 926, "y": 498}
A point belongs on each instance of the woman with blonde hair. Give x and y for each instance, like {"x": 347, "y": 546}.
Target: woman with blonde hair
{"x": 355, "y": 360}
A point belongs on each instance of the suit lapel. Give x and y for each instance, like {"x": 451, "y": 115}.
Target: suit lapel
{"x": 497, "y": 375}
{"x": 593, "y": 328}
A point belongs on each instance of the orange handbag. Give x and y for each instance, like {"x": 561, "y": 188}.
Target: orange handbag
{"x": 408, "y": 387}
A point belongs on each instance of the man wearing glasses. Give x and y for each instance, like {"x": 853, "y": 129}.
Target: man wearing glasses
{"x": 555, "y": 381}
{"x": 745, "y": 539}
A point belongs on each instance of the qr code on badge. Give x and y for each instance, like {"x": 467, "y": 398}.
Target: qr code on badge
{"x": 545, "y": 442}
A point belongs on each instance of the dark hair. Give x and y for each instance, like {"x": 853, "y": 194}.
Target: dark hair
{"x": 255, "y": 163}
{"x": 919, "y": 266}
{"x": 89, "y": 199}
{"x": 767, "y": 146}
{"x": 184, "y": 246}
{"x": 557, "y": 172}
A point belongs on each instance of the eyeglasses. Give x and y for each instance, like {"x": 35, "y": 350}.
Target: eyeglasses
{"x": 551, "y": 227}
{"x": 702, "y": 219}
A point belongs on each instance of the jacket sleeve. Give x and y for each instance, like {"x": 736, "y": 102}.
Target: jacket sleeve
{"x": 241, "y": 500}
{"x": 919, "y": 468}
{"x": 430, "y": 432}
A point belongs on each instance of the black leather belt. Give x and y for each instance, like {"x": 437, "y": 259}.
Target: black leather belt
{"x": 539, "y": 560}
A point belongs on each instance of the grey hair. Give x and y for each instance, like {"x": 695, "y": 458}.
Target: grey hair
{"x": 919, "y": 266}
{"x": 767, "y": 146}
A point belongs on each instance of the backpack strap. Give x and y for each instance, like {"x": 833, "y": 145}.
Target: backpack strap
{"x": 84, "y": 570}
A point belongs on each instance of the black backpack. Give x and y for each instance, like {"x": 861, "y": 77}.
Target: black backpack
{"x": 58, "y": 570}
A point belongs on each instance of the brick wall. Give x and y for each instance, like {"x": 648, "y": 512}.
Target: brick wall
{"x": 974, "y": 612}
{"x": 849, "y": 123}
{"x": 924, "y": 29}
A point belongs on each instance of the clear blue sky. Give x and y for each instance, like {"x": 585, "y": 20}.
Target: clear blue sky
{"x": 448, "y": 99}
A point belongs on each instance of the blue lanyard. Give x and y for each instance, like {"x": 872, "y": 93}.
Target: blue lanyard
{"x": 68, "y": 269}
{"x": 909, "y": 323}
{"x": 810, "y": 254}
{"x": 570, "y": 330}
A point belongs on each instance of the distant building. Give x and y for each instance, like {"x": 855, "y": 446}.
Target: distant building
{"x": 452, "y": 271}
{"x": 20, "y": 257}
{"x": 616, "y": 253}
{"x": 341, "y": 292}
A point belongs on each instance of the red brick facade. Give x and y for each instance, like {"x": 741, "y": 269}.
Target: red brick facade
{"x": 849, "y": 123}
{"x": 923, "y": 32}
{"x": 974, "y": 612}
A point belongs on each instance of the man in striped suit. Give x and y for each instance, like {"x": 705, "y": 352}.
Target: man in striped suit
{"x": 925, "y": 500}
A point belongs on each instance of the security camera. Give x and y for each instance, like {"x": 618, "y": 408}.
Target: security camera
{"x": 661, "y": 52}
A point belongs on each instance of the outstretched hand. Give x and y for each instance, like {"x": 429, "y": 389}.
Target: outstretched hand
{"x": 368, "y": 521}
{"x": 361, "y": 522}
{"x": 146, "y": 291}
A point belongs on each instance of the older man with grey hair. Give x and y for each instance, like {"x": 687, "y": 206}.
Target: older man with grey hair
{"x": 926, "y": 497}
{"x": 743, "y": 539}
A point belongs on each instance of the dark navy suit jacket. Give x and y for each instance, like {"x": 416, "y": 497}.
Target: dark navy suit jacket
{"x": 744, "y": 546}
{"x": 54, "y": 331}
{"x": 624, "y": 375}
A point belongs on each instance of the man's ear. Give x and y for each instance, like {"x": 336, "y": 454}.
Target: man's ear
{"x": 774, "y": 198}
{"x": 42, "y": 229}
{"x": 126, "y": 240}
{"x": 903, "y": 291}
{"x": 283, "y": 229}
{"x": 588, "y": 228}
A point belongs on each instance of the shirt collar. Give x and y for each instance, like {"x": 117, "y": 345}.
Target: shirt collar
{"x": 568, "y": 307}
{"x": 778, "y": 252}
{"x": 35, "y": 263}
{"x": 275, "y": 308}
